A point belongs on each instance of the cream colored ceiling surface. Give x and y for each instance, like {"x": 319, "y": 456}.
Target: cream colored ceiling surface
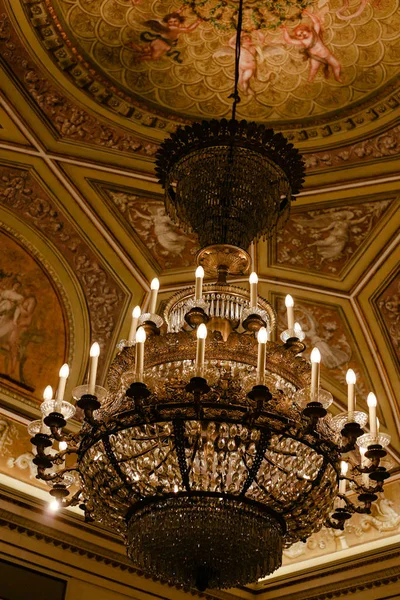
{"x": 83, "y": 108}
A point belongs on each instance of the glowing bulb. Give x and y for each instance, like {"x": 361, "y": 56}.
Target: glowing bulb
{"x": 199, "y": 272}
{"x": 176, "y": 489}
{"x": 253, "y": 278}
{"x": 344, "y": 467}
{"x": 297, "y": 328}
{"x": 54, "y": 505}
{"x": 371, "y": 400}
{"x": 62, "y": 446}
{"x": 155, "y": 284}
{"x": 136, "y": 312}
{"x": 350, "y": 377}
{"x": 95, "y": 350}
{"x": 202, "y": 331}
{"x": 262, "y": 335}
{"x": 315, "y": 356}
{"x": 362, "y": 450}
{"x": 48, "y": 393}
{"x": 140, "y": 336}
{"x": 289, "y": 302}
{"x": 64, "y": 371}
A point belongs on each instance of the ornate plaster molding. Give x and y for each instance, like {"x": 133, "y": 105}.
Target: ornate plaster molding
{"x": 22, "y": 194}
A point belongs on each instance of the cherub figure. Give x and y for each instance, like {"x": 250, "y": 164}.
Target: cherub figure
{"x": 249, "y": 53}
{"x": 165, "y": 37}
{"x": 310, "y": 40}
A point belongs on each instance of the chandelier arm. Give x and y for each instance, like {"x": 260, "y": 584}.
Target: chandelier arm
{"x": 362, "y": 510}
{"x": 257, "y": 460}
{"x": 179, "y": 434}
{"x": 236, "y": 97}
{"x": 114, "y": 462}
{"x": 73, "y": 501}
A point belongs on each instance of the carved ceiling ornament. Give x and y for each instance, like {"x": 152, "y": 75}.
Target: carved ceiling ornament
{"x": 328, "y": 240}
{"x": 134, "y": 72}
{"x": 21, "y": 193}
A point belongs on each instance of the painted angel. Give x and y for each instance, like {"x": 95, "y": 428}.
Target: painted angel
{"x": 338, "y": 224}
{"x": 309, "y": 40}
{"x": 251, "y": 53}
{"x": 163, "y": 37}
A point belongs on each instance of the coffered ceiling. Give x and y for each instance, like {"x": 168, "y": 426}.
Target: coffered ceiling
{"x": 89, "y": 88}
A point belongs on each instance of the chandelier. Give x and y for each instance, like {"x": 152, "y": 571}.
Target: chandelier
{"x": 211, "y": 450}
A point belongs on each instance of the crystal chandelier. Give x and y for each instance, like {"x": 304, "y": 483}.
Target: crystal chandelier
{"x": 212, "y": 449}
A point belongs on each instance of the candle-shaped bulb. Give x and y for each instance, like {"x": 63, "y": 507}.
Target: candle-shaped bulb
{"x": 262, "y": 335}
{"x": 48, "y": 393}
{"x": 350, "y": 377}
{"x": 64, "y": 371}
{"x": 134, "y": 323}
{"x": 202, "y": 331}
{"x": 154, "y": 286}
{"x": 297, "y": 329}
{"x": 362, "y": 452}
{"x": 315, "y": 356}
{"x": 344, "y": 467}
{"x": 140, "y": 336}
{"x": 94, "y": 350}
{"x": 198, "y": 292}
{"x": 253, "y": 280}
{"x": 54, "y": 505}
{"x": 351, "y": 382}
{"x": 372, "y": 402}
{"x": 289, "y": 303}
{"x": 199, "y": 273}
{"x": 315, "y": 364}
{"x": 62, "y": 446}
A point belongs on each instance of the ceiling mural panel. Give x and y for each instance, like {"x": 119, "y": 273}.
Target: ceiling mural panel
{"x": 298, "y": 59}
{"x": 387, "y": 308}
{"x": 328, "y": 240}
{"x": 31, "y": 313}
{"x": 167, "y": 244}
{"x": 21, "y": 193}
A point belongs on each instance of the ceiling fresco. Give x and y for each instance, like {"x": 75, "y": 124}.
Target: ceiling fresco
{"x": 298, "y": 59}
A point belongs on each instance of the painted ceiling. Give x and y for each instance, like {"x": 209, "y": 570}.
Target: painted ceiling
{"x": 89, "y": 88}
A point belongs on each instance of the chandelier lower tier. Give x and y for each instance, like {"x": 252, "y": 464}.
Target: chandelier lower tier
{"x": 209, "y": 455}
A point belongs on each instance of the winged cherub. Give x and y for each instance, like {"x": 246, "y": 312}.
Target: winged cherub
{"x": 164, "y": 37}
{"x": 251, "y": 53}
{"x": 310, "y": 40}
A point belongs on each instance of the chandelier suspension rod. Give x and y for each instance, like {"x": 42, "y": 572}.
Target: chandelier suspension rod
{"x": 235, "y": 95}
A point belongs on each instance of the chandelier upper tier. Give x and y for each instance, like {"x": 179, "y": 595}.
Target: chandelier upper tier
{"x": 212, "y": 449}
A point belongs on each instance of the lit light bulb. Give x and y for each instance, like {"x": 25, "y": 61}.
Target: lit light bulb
{"x": 362, "y": 450}
{"x": 199, "y": 273}
{"x": 54, "y": 505}
{"x": 134, "y": 323}
{"x": 140, "y": 336}
{"x": 372, "y": 403}
{"x": 136, "y": 312}
{"x": 48, "y": 393}
{"x": 62, "y": 446}
{"x": 253, "y": 278}
{"x": 297, "y": 329}
{"x": 315, "y": 356}
{"x": 289, "y": 302}
{"x": 155, "y": 284}
{"x": 344, "y": 467}
{"x": 95, "y": 350}
{"x": 262, "y": 335}
{"x": 202, "y": 331}
{"x": 64, "y": 371}
{"x": 350, "y": 377}
{"x": 371, "y": 400}
{"x": 198, "y": 290}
